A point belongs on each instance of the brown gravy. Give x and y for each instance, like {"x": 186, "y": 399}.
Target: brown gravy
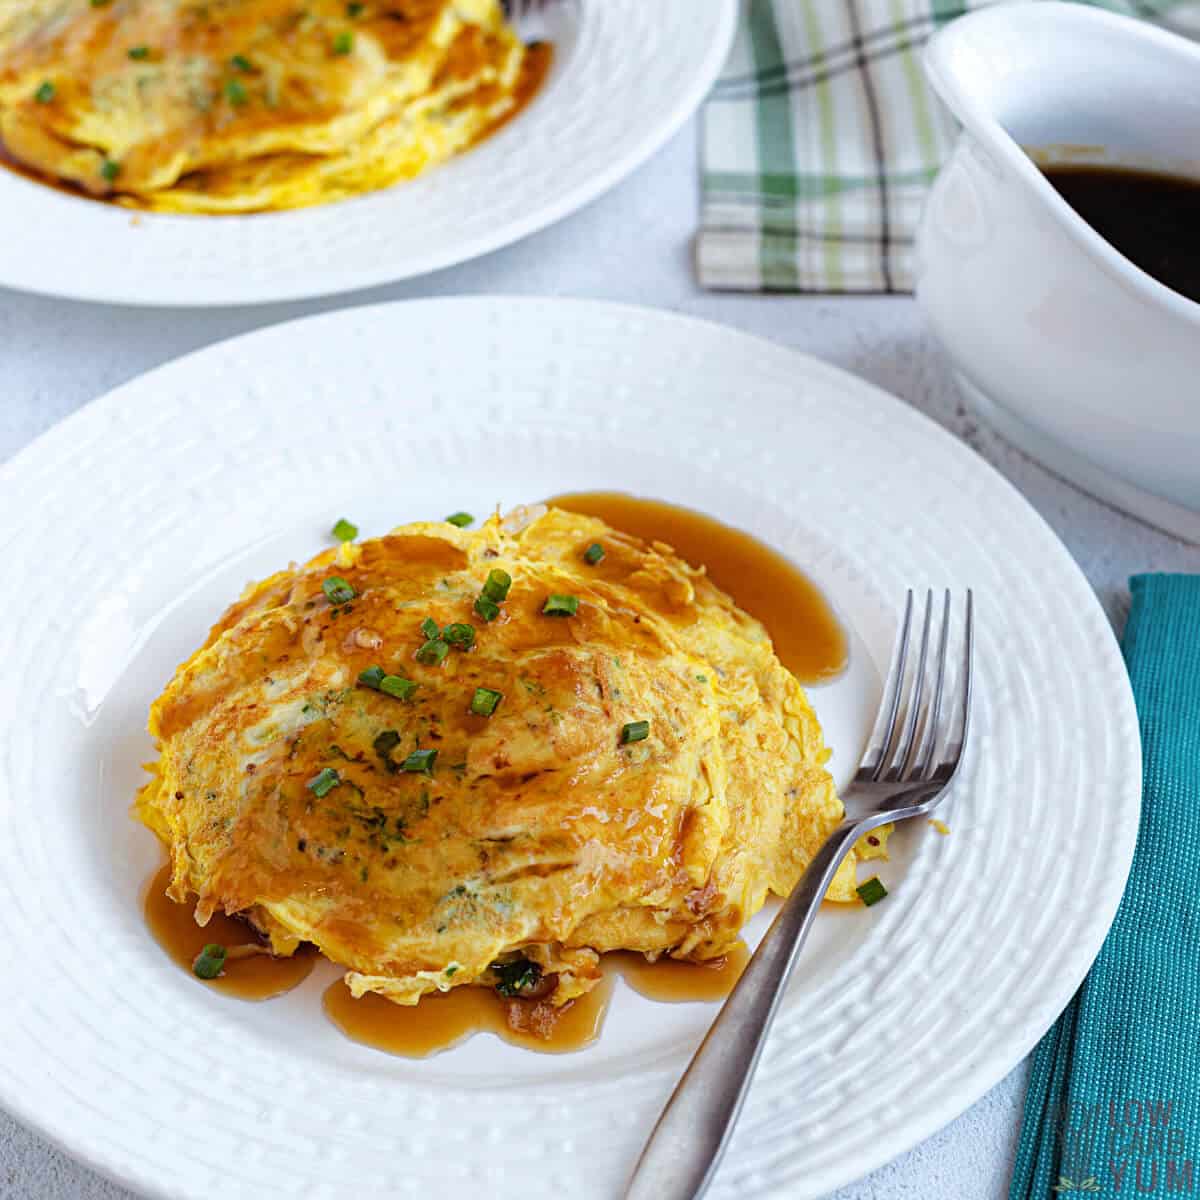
{"x": 255, "y": 977}
{"x": 1152, "y": 219}
{"x": 439, "y": 1022}
{"x": 808, "y": 638}
{"x": 674, "y": 982}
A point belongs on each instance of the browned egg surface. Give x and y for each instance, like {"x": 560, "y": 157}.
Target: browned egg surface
{"x": 538, "y": 844}
{"x": 237, "y": 106}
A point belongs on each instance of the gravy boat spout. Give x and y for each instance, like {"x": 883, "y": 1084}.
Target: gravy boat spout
{"x": 1071, "y": 350}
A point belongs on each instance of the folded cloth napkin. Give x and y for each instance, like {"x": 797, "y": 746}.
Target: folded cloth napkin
{"x": 1113, "y": 1107}
{"x": 820, "y": 140}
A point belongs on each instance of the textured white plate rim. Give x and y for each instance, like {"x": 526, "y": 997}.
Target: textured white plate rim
{"x": 997, "y": 1061}
{"x": 254, "y": 291}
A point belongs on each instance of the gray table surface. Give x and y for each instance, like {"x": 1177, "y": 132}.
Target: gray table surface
{"x": 632, "y": 245}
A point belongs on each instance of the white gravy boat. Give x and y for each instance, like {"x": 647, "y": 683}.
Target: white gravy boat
{"x": 1069, "y": 349}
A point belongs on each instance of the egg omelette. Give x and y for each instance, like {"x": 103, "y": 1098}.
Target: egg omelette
{"x": 234, "y": 106}
{"x": 452, "y": 757}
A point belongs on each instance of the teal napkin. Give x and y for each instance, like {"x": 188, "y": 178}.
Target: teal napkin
{"x": 1113, "y": 1108}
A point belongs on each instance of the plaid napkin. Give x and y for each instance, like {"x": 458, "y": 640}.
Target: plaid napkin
{"x": 820, "y": 140}
{"x": 1113, "y": 1108}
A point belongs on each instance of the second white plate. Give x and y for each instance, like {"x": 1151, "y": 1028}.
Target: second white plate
{"x": 626, "y": 75}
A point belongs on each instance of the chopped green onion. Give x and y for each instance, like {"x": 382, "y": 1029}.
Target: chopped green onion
{"x": 433, "y": 652}
{"x": 398, "y": 686}
{"x": 386, "y": 742}
{"x": 593, "y": 554}
{"x": 210, "y": 962}
{"x": 372, "y": 677}
{"x": 138, "y": 53}
{"x": 324, "y": 782}
{"x": 345, "y": 531}
{"x": 420, "y": 760}
{"x": 99, "y": 3}
{"x": 516, "y": 978}
{"x": 235, "y": 92}
{"x": 343, "y": 42}
{"x": 239, "y": 62}
{"x": 461, "y": 519}
{"x": 484, "y": 702}
{"x": 496, "y": 586}
{"x": 45, "y": 93}
{"x": 430, "y": 629}
{"x": 355, "y": 10}
{"x": 872, "y": 891}
{"x": 635, "y": 731}
{"x": 560, "y": 606}
{"x": 460, "y": 635}
{"x": 489, "y": 610}
{"x": 337, "y": 590}
{"x": 110, "y": 169}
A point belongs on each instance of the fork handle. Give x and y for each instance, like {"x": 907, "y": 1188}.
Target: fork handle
{"x": 682, "y": 1153}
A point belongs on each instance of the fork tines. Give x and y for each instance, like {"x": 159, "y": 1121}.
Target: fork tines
{"x": 926, "y": 707}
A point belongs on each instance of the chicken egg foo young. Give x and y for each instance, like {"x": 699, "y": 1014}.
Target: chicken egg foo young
{"x": 450, "y": 757}
{"x": 235, "y": 106}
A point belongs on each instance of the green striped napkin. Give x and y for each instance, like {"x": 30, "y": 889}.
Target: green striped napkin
{"x": 1113, "y": 1107}
{"x": 820, "y": 140}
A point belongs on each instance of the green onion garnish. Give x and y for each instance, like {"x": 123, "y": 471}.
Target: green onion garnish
{"x": 110, "y": 169}
{"x": 398, "y": 686}
{"x": 343, "y": 42}
{"x": 337, "y": 590}
{"x": 430, "y": 629}
{"x": 354, "y": 10}
{"x": 593, "y": 554}
{"x": 324, "y": 782}
{"x": 489, "y": 610}
{"x": 210, "y": 962}
{"x": 420, "y": 760}
{"x": 635, "y": 731}
{"x": 386, "y": 742}
{"x": 138, "y": 53}
{"x": 460, "y": 635}
{"x": 496, "y": 586}
{"x": 461, "y": 519}
{"x": 345, "y": 531}
{"x": 99, "y": 3}
{"x": 872, "y": 891}
{"x": 45, "y": 93}
{"x": 372, "y": 677}
{"x": 484, "y": 702}
{"x": 433, "y": 652}
{"x": 560, "y": 606}
{"x": 239, "y": 62}
{"x": 235, "y": 92}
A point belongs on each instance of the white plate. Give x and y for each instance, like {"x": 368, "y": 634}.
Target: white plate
{"x": 127, "y": 527}
{"x": 626, "y": 75}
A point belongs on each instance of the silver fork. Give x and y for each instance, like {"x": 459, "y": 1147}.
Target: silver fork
{"x": 911, "y": 759}
{"x": 532, "y": 19}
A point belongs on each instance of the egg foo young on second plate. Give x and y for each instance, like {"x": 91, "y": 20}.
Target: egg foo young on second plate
{"x": 228, "y": 106}
{"x": 451, "y": 757}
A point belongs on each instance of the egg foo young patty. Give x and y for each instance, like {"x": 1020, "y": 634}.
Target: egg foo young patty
{"x": 451, "y": 757}
{"x": 226, "y": 106}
